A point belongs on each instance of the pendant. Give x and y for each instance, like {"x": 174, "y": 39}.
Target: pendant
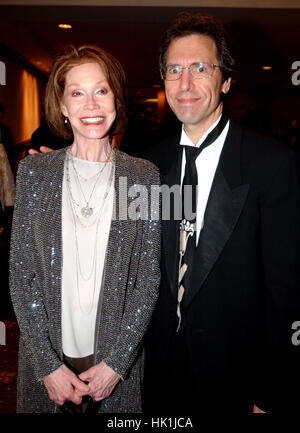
{"x": 87, "y": 211}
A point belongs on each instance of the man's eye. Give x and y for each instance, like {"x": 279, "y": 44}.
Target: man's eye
{"x": 174, "y": 69}
{"x": 199, "y": 67}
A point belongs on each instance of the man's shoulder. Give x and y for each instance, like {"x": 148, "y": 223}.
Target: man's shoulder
{"x": 260, "y": 156}
{"x": 257, "y": 142}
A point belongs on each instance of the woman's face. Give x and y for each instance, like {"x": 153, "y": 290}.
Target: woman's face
{"x": 88, "y": 102}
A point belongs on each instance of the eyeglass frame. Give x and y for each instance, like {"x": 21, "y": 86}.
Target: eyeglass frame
{"x": 213, "y": 65}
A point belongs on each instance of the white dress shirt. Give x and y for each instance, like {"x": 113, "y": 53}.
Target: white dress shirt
{"x": 206, "y": 165}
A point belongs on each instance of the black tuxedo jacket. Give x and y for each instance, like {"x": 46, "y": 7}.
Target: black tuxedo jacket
{"x": 246, "y": 283}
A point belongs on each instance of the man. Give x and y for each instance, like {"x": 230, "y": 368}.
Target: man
{"x": 220, "y": 338}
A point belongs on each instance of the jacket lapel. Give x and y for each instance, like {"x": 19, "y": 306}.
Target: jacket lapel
{"x": 120, "y": 223}
{"x": 226, "y": 201}
{"x": 170, "y": 225}
{"x": 48, "y": 221}
{"x": 122, "y": 228}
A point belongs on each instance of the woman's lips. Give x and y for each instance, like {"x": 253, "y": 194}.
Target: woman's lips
{"x": 97, "y": 120}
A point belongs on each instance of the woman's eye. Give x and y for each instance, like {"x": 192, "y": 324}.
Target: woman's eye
{"x": 76, "y": 93}
{"x": 102, "y": 91}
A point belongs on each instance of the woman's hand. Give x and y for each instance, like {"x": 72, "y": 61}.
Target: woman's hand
{"x": 102, "y": 380}
{"x": 63, "y": 385}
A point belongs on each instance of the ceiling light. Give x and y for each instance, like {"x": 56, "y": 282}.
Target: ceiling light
{"x": 64, "y": 26}
{"x": 267, "y": 68}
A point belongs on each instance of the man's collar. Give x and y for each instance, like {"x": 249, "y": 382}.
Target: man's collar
{"x": 186, "y": 141}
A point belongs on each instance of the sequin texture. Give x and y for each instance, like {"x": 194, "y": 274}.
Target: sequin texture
{"x": 130, "y": 281}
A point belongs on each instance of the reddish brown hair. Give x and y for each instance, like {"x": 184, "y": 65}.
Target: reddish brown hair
{"x": 74, "y": 56}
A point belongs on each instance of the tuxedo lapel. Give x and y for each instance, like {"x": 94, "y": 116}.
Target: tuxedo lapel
{"x": 226, "y": 201}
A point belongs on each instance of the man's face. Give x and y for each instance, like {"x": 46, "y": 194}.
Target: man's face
{"x": 196, "y": 102}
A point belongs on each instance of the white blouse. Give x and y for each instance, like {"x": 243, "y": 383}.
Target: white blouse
{"x": 84, "y": 246}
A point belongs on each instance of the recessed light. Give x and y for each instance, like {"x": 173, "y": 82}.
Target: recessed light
{"x": 64, "y": 26}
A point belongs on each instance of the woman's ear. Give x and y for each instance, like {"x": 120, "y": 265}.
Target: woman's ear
{"x": 63, "y": 109}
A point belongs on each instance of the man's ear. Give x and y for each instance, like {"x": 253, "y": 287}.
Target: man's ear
{"x": 226, "y": 85}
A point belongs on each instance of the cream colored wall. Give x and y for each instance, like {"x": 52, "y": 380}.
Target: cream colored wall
{"x": 22, "y": 99}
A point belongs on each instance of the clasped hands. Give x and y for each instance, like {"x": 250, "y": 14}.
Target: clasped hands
{"x": 63, "y": 385}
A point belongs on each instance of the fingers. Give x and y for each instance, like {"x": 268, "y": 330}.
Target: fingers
{"x": 61, "y": 397}
{"x": 86, "y": 376}
{"x": 80, "y": 386}
{"x": 102, "y": 380}
{"x": 45, "y": 149}
{"x": 103, "y": 393}
{"x": 76, "y": 398}
{"x": 63, "y": 385}
{"x": 72, "y": 396}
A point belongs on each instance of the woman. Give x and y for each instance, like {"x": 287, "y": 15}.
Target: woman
{"x": 83, "y": 276}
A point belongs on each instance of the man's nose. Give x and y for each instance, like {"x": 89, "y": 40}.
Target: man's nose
{"x": 186, "y": 79}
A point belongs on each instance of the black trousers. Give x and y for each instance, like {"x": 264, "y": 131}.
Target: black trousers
{"x": 178, "y": 390}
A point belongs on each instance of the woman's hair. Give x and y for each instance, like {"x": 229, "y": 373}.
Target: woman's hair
{"x": 74, "y": 56}
{"x": 189, "y": 23}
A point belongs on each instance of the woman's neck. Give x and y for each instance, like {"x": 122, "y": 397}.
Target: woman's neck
{"x": 92, "y": 150}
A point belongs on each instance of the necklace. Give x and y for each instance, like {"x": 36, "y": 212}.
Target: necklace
{"x": 74, "y": 203}
{"x": 85, "y": 179}
{"x": 93, "y": 269}
{"x": 95, "y": 238}
{"x": 85, "y": 210}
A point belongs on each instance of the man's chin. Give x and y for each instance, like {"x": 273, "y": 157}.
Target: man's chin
{"x": 187, "y": 116}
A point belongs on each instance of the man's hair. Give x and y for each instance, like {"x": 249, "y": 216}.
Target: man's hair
{"x": 74, "y": 56}
{"x": 189, "y": 23}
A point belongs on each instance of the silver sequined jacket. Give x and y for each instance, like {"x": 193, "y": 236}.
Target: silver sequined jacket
{"x": 129, "y": 288}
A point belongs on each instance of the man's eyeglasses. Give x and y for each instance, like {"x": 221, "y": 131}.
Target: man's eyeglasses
{"x": 198, "y": 70}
